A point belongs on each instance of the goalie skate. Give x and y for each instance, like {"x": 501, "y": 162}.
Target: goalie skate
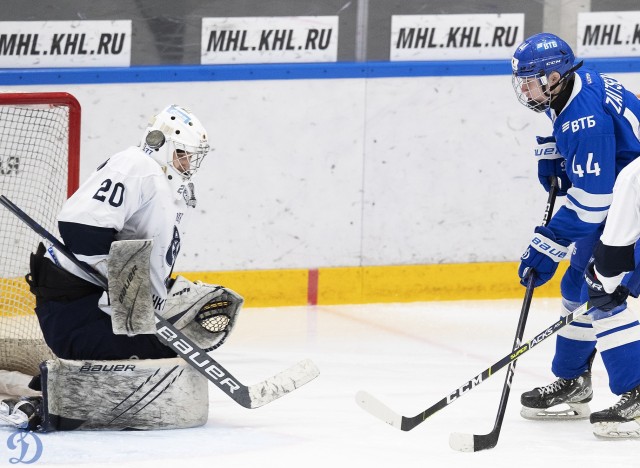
{"x": 622, "y": 420}
{"x": 562, "y": 399}
{"x": 21, "y": 414}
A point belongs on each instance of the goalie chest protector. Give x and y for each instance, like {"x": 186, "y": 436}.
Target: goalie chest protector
{"x": 141, "y": 394}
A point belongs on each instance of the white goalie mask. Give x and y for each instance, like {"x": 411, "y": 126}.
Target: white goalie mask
{"x": 176, "y": 140}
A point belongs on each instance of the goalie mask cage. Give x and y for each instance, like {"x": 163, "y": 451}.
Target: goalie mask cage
{"x": 39, "y": 170}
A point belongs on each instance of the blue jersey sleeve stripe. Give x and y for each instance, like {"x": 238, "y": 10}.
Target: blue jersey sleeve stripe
{"x": 579, "y": 205}
{"x": 591, "y": 217}
{"x": 586, "y": 200}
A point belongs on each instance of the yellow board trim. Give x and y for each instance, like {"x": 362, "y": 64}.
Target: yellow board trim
{"x": 350, "y": 285}
{"x": 362, "y": 285}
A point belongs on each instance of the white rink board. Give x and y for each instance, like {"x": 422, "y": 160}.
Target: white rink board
{"x": 343, "y": 172}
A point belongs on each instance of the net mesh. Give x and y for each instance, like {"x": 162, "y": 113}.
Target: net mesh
{"x": 33, "y": 175}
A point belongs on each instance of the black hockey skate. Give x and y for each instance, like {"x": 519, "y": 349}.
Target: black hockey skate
{"x": 575, "y": 393}
{"x": 606, "y": 423}
{"x": 23, "y": 413}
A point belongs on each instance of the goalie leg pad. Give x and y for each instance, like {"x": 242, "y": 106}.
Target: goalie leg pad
{"x": 122, "y": 395}
{"x": 206, "y": 313}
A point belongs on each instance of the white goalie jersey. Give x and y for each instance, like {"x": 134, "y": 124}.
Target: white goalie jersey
{"x": 129, "y": 197}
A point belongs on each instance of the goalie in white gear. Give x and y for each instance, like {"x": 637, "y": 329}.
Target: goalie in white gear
{"x": 143, "y": 192}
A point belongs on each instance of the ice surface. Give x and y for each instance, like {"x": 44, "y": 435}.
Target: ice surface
{"x": 407, "y": 355}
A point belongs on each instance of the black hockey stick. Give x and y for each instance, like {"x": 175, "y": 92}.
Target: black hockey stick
{"x": 368, "y": 403}
{"x": 475, "y": 442}
{"x": 405, "y": 423}
{"x": 252, "y": 396}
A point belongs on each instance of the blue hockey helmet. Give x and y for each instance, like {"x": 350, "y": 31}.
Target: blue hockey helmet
{"x": 533, "y": 62}
{"x": 542, "y": 53}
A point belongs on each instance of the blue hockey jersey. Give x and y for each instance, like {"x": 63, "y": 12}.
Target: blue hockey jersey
{"x": 598, "y": 134}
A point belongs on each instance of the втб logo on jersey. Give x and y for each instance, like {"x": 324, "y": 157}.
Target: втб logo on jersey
{"x": 579, "y": 124}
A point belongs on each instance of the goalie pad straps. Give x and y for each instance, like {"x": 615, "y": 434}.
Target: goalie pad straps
{"x": 130, "y": 287}
{"x": 205, "y": 313}
{"x": 134, "y": 394}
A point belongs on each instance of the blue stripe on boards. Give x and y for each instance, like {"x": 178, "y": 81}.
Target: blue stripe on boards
{"x": 280, "y": 71}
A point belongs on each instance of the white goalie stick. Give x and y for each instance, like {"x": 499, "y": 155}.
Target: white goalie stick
{"x": 248, "y": 396}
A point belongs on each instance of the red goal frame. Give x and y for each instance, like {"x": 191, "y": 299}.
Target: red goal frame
{"x": 57, "y": 99}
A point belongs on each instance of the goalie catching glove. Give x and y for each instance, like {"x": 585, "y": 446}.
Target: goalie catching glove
{"x": 205, "y": 313}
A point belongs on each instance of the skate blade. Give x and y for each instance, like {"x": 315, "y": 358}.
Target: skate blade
{"x": 575, "y": 411}
{"x": 612, "y": 430}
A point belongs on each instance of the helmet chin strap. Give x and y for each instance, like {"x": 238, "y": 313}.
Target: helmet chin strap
{"x": 541, "y": 107}
{"x": 565, "y": 75}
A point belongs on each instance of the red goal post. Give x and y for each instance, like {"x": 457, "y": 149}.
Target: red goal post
{"x": 64, "y": 100}
{"x": 39, "y": 170}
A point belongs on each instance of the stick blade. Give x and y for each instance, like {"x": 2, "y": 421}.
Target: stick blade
{"x": 461, "y": 442}
{"x": 376, "y": 408}
{"x": 282, "y": 383}
{"x": 472, "y": 442}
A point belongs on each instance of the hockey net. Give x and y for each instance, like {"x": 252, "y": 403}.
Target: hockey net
{"x": 39, "y": 169}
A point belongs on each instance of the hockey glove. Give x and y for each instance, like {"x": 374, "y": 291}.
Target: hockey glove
{"x": 551, "y": 164}
{"x": 542, "y": 256}
{"x": 598, "y": 297}
{"x": 206, "y": 313}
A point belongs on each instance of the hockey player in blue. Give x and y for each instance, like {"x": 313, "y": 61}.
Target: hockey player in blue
{"x": 596, "y": 133}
